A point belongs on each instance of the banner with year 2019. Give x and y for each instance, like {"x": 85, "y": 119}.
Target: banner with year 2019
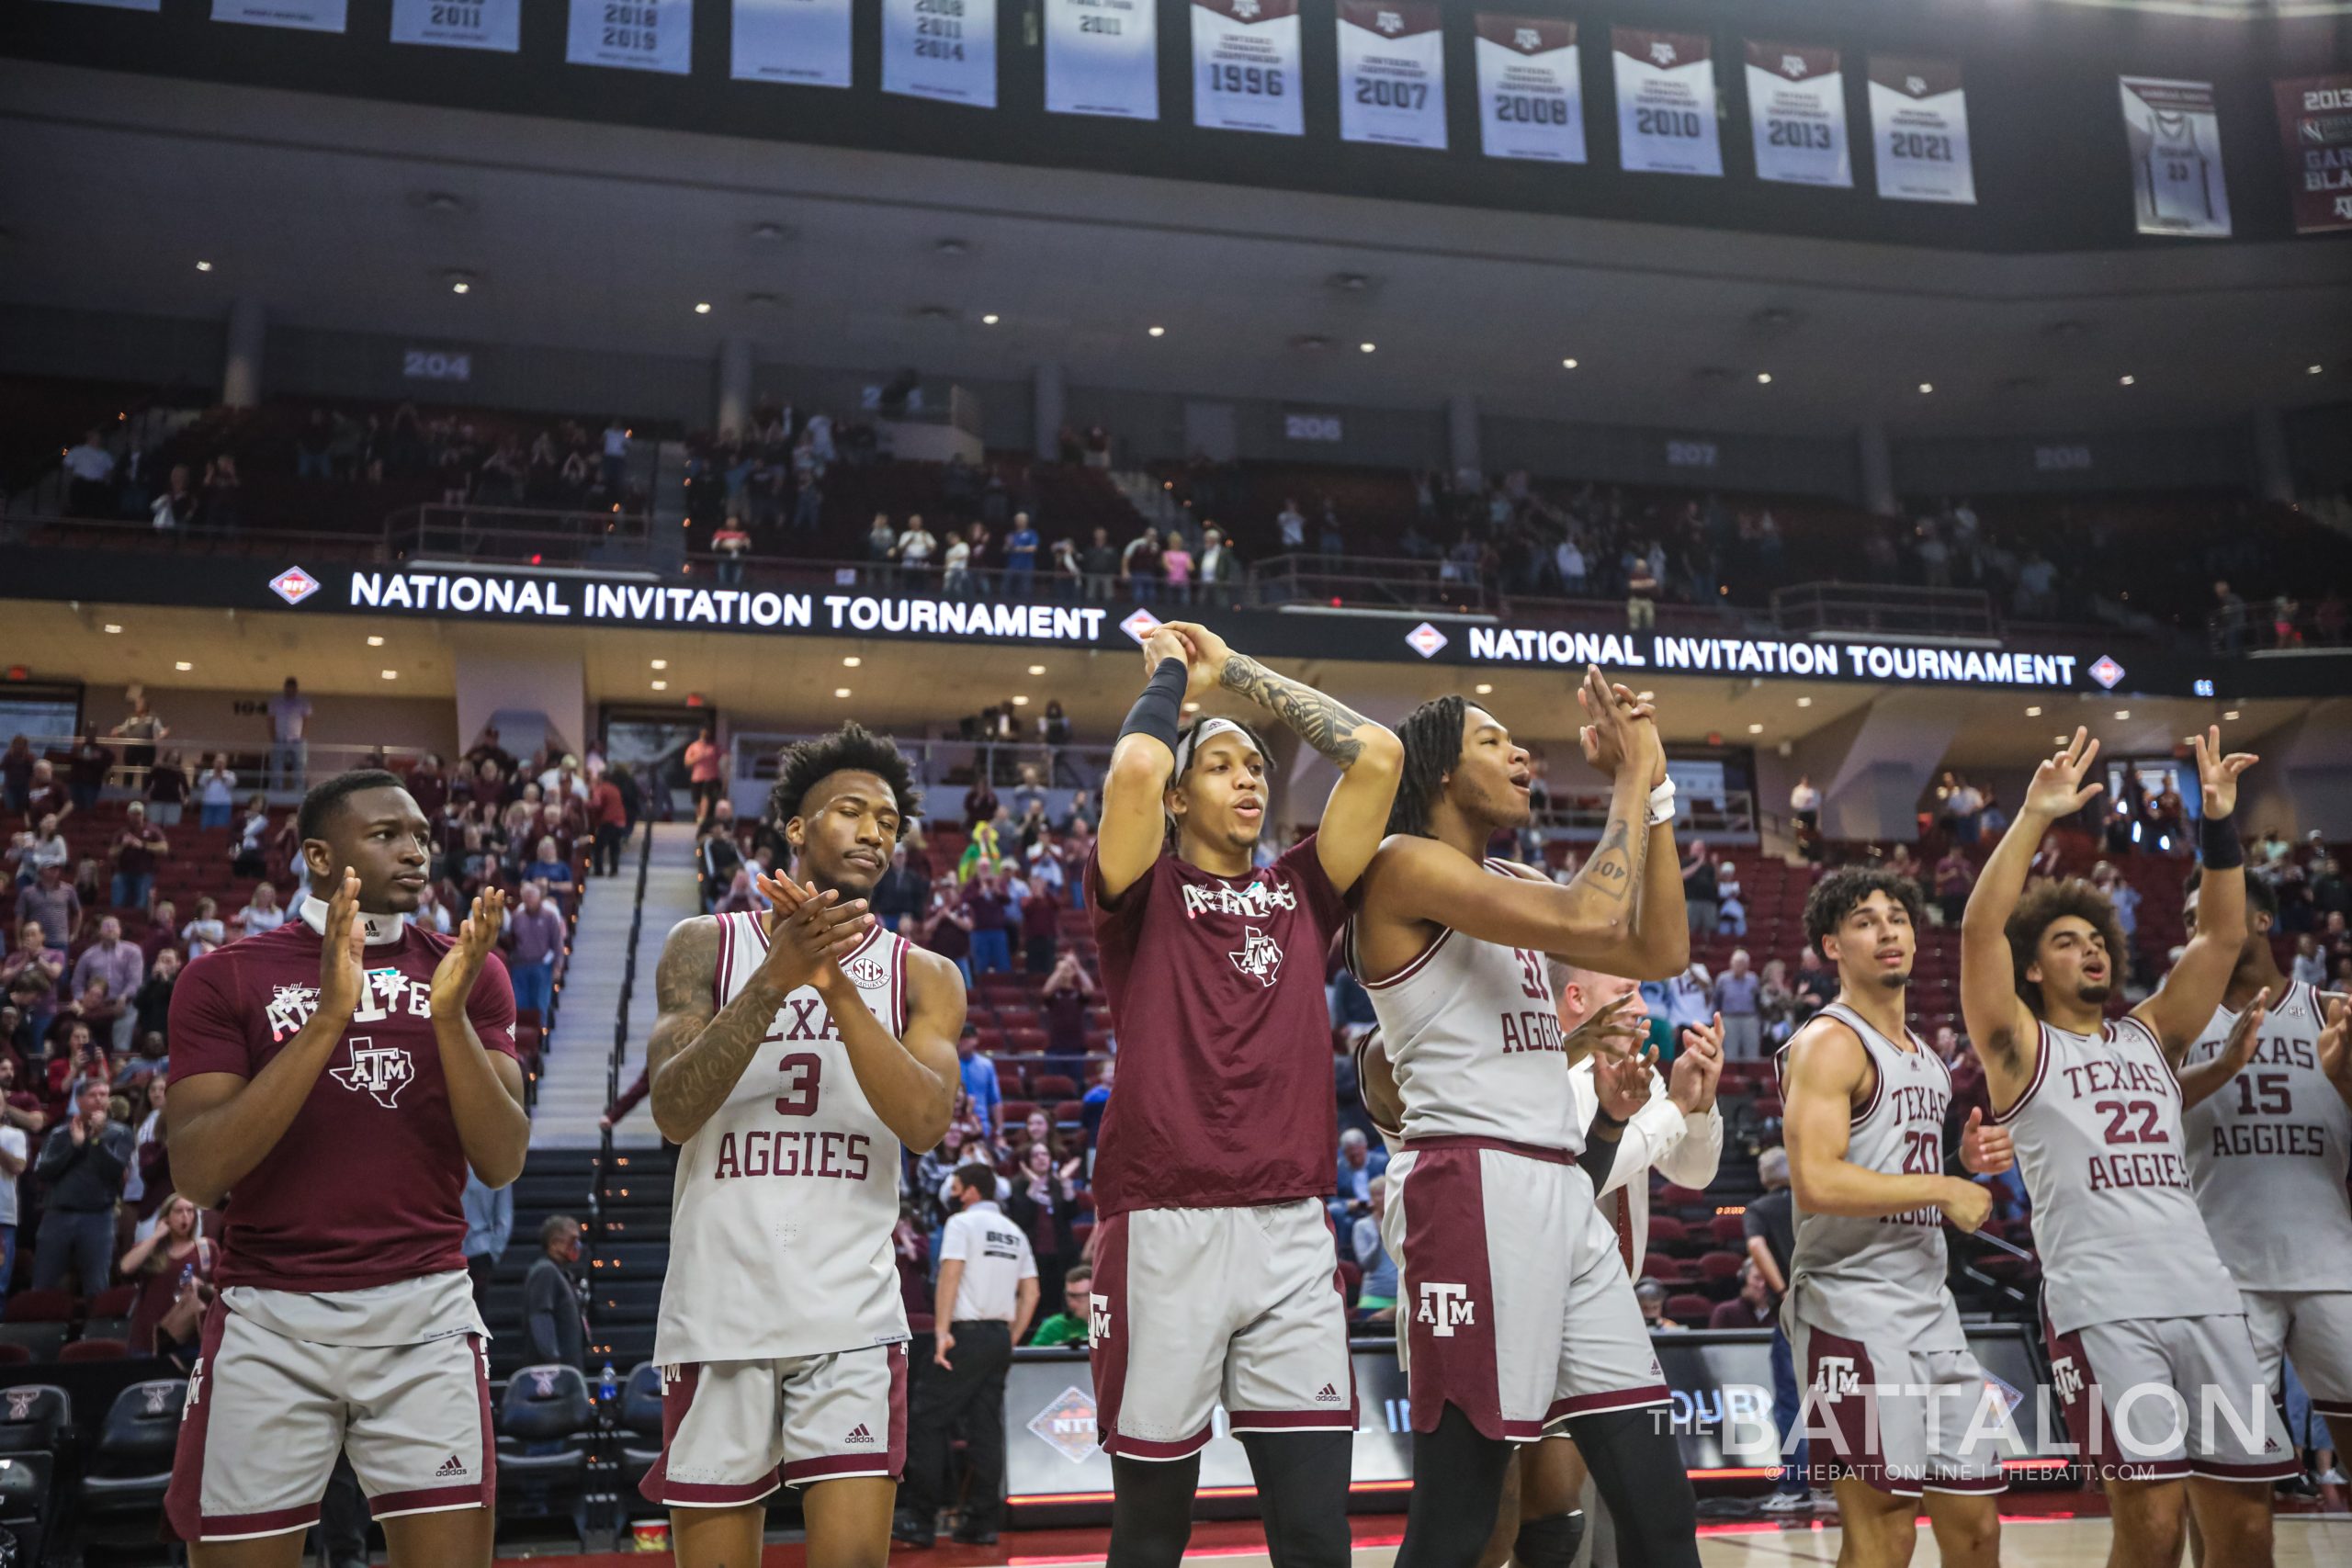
{"x": 1666, "y": 103}
{"x": 312, "y": 15}
{"x": 1102, "y": 57}
{"x": 940, "y": 49}
{"x": 459, "y": 24}
{"x": 1919, "y": 131}
{"x": 1796, "y": 105}
{"x": 2176, "y": 139}
{"x": 804, "y": 43}
{"x": 1531, "y": 88}
{"x": 1392, "y": 73}
{"x": 2316, "y": 129}
{"x": 632, "y": 35}
{"x": 1245, "y": 66}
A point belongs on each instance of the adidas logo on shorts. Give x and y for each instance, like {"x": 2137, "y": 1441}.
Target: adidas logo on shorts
{"x": 452, "y": 1466}
{"x": 859, "y": 1434}
{"x": 1328, "y": 1396}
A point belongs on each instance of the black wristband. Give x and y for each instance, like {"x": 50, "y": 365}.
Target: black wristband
{"x": 2223, "y": 850}
{"x": 1601, "y": 1118}
{"x": 1158, "y": 712}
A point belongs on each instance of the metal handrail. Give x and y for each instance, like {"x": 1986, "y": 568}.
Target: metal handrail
{"x": 1885, "y": 609}
{"x": 443, "y": 529}
{"x": 629, "y": 989}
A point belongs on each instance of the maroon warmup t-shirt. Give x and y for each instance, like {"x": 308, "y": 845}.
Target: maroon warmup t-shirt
{"x": 1224, "y": 1098}
{"x": 364, "y": 1188}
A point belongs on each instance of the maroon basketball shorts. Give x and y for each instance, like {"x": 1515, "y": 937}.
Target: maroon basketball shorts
{"x": 1512, "y": 1303}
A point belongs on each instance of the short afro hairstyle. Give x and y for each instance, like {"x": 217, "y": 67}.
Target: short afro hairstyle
{"x": 1843, "y": 891}
{"x": 326, "y": 797}
{"x": 851, "y": 748}
{"x": 1431, "y": 736}
{"x": 2054, "y": 901}
{"x": 2261, "y": 898}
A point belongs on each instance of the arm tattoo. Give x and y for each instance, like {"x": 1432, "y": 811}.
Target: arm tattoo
{"x": 1327, "y": 725}
{"x": 1615, "y": 869}
{"x": 693, "y": 1058}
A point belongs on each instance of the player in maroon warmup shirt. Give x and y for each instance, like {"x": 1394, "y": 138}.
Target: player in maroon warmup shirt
{"x": 332, "y": 1080}
{"x": 1214, "y": 1275}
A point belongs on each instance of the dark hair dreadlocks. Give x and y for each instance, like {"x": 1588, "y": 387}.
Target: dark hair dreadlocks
{"x": 2048, "y": 903}
{"x": 1432, "y": 735}
{"x": 851, "y": 748}
{"x": 1843, "y": 891}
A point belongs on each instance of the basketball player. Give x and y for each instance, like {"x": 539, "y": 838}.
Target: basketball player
{"x": 330, "y": 1082}
{"x": 2268, "y": 1104}
{"x": 1213, "y": 1268}
{"x": 799, "y": 1049}
{"x": 2135, "y": 1296}
{"x": 1451, "y": 947}
{"x": 1877, "y": 1337}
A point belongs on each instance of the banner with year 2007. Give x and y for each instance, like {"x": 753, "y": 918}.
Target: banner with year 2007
{"x": 1392, "y": 73}
{"x": 1531, "y": 88}
{"x": 1919, "y": 131}
{"x": 1102, "y": 57}
{"x": 804, "y": 43}
{"x": 1796, "y": 105}
{"x": 1245, "y": 66}
{"x": 1666, "y": 103}
{"x": 459, "y": 24}
{"x": 633, "y": 35}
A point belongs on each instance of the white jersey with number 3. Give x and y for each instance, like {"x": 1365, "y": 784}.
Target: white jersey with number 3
{"x": 786, "y": 1199}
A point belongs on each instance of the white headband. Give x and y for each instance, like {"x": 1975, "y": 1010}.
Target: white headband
{"x": 1202, "y": 733}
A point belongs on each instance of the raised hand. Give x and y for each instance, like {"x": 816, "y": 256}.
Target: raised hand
{"x": 1164, "y": 643}
{"x": 1691, "y": 1082}
{"x": 1209, "y": 654}
{"x": 2217, "y": 775}
{"x": 2335, "y": 1057}
{"x": 1622, "y": 1083}
{"x": 1611, "y": 1030}
{"x": 341, "y": 974}
{"x": 2238, "y": 1047}
{"x": 808, "y": 933}
{"x": 1985, "y": 1150}
{"x": 1965, "y": 1203}
{"x": 454, "y": 976}
{"x": 1612, "y": 736}
{"x": 1645, "y": 711}
{"x": 2057, "y": 789}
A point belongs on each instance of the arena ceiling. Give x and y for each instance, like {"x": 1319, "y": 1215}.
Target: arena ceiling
{"x": 356, "y": 215}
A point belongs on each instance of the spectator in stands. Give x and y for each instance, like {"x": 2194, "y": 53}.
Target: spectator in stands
{"x": 120, "y": 965}
{"x": 85, "y": 770}
{"x": 151, "y": 1003}
{"x": 1701, "y": 906}
{"x": 176, "y": 507}
{"x": 917, "y": 545}
{"x": 1067, "y": 1327}
{"x": 222, "y": 507}
{"x": 1020, "y": 560}
{"x": 705, "y": 769}
{"x": 1805, "y": 803}
{"x": 172, "y": 1266}
{"x": 608, "y": 815}
{"x": 534, "y": 953}
{"x": 140, "y": 728}
{"x": 1139, "y": 565}
{"x": 32, "y": 975}
{"x": 166, "y": 789}
{"x": 44, "y": 796}
{"x": 490, "y": 1225}
{"x": 1042, "y": 1198}
{"x": 248, "y": 856}
{"x": 979, "y": 1084}
{"x": 90, "y": 489}
{"x": 1376, "y": 1288}
{"x": 290, "y": 728}
{"x": 1176, "y": 568}
{"x": 1736, "y": 996}
{"x": 205, "y": 932}
{"x": 1098, "y": 564}
{"x": 615, "y": 473}
{"x": 1770, "y": 1228}
{"x": 1330, "y": 541}
{"x": 1731, "y": 905}
{"x": 1290, "y": 526}
{"x": 53, "y": 905}
{"x": 216, "y": 793}
{"x": 1068, "y": 992}
{"x": 730, "y": 545}
{"x": 44, "y": 846}
{"x": 1359, "y": 1164}
{"x": 1652, "y": 1297}
{"x": 948, "y": 932}
{"x": 554, "y": 1317}
{"x": 83, "y": 1162}
{"x": 1955, "y": 874}
{"x": 990, "y": 910}
{"x": 900, "y": 893}
{"x": 1756, "y": 1306}
{"x": 17, "y": 773}
{"x": 136, "y": 850}
{"x": 1641, "y": 591}
{"x": 547, "y": 867}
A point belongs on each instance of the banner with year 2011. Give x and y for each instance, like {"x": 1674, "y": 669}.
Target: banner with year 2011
{"x": 312, "y": 15}
{"x": 1245, "y": 66}
{"x": 1392, "y": 73}
{"x": 459, "y": 24}
{"x": 940, "y": 49}
{"x": 2176, "y": 139}
{"x": 802, "y": 43}
{"x": 2315, "y": 129}
{"x": 1796, "y": 105}
{"x": 1919, "y": 131}
{"x": 632, "y": 35}
{"x": 1531, "y": 88}
{"x": 1102, "y": 57}
{"x": 1666, "y": 103}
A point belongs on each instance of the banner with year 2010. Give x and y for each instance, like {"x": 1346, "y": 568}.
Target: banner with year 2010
{"x": 1245, "y": 66}
{"x": 1919, "y": 131}
{"x": 1102, "y": 58}
{"x": 1531, "y": 88}
{"x": 1392, "y": 73}
{"x": 1796, "y": 105}
{"x": 459, "y": 24}
{"x": 312, "y": 15}
{"x": 1666, "y": 102}
{"x": 802, "y": 43}
{"x": 940, "y": 49}
{"x": 632, "y": 35}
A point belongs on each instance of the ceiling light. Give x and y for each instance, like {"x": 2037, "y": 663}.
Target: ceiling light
{"x": 204, "y": 267}
{"x": 2123, "y": 713}
{"x": 990, "y": 320}
{"x": 1192, "y": 707}
{"x": 760, "y": 298}
{"x": 1020, "y": 702}
{"x": 1485, "y": 688}
{"x": 841, "y": 691}
{"x": 661, "y": 685}
{"x": 851, "y": 663}
{"x": 1926, "y": 387}
{"x": 769, "y": 233}
{"x": 953, "y": 247}
{"x": 1763, "y": 378}
{"x": 703, "y": 309}
{"x": 2126, "y": 381}
{"x": 392, "y": 674}
{"x": 2033, "y": 713}
{"x": 1366, "y": 348}
{"x": 183, "y": 665}
{"x": 460, "y": 287}
{"x": 1804, "y": 702}
{"x": 1036, "y": 670}
{"x": 375, "y": 642}
{"x": 1567, "y": 364}
{"x": 2314, "y": 369}
{"x": 1160, "y": 332}
{"x": 661, "y": 664}
{"x": 2231, "y": 714}
{"x": 1754, "y": 730}
{"x": 2059, "y": 739}
{"x": 113, "y": 629}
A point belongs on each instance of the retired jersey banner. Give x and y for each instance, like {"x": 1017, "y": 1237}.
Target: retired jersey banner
{"x": 634, "y": 35}
{"x": 1102, "y": 57}
{"x": 802, "y": 42}
{"x": 940, "y": 49}
{"x": 1666, "y": 103}
{"x": 1796, "y": 102}
{"x": 1919, "y": 131}
{"x": 312, "y": 16}
{"x": 459, "y": 24}
{"x": 1245, "y": 66}
{"x": 1531, "y": 88}
{"x": 2176, "y": 139}
{"x": 2315, "y": 123}
{"x": 1392, "y": 73}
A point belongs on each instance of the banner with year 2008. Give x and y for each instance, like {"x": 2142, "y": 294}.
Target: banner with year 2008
{"x": 1666, "y": 103}
{"x": 940, "y": 49}
{"x": 459, "y": 24}
{"x": 633, "y": 35}
{"x": 1102, "y": 58}
{"x": 1392, "y": 73}
{"x": 1531, "y": 88}
{"x": 802, "y": 43}
{"x": 1796, "y": 105}
{"x": 1919, "y": 131}
{"x": 1245, "y": 66}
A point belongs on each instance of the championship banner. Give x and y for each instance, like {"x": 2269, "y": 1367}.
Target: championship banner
{"x": 1919, "y": 131}
{"x": 2315, "y": 124}
{"x": 472, "y": 24}
{"x": 1666, "y": 103}
{"x": 940, "y": 49}
{"x": 312, "y": 15}
{"x": 1245, "y": 66}
{"x": 1392, "y": 73}
{"x": 634, "y": 35}
{"x": 1531, "y": 88}
{"x": 118, "y": 4}
{"x": 1102, "y": 57}
{"x": 803, "y": 42}
{"x": 2176, "y": 139}
{"x": 1796, "y": 103}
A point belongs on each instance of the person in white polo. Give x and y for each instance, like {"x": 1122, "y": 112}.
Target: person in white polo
{"x": 987, "y": 1293}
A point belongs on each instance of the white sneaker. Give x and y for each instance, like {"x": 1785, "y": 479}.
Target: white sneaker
{"x": 1823, "y": 1499}
{"x": 2334, "y": 1476}
{"x": 1786, "y": 1503}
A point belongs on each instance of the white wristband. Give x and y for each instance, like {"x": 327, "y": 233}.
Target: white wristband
{"x": 1662, "y": 804}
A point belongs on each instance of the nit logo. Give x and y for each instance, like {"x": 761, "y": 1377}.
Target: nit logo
{"x": 294, "y": 585}
{"x": 1067, "y": 1425}
{"x": 1140, "y": 626}
{"x": 1426, "y": 640}
{"x": 2107, "y": 672}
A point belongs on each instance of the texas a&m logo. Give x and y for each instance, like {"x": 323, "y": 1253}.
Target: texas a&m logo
{"x": 1260, "y": 956}
{"x": 1446, "y": 1305}
{"x": 1834, "y": 1378}
{"x": 1097, "y": 1319}
{"x": 379, "y": 1071}
{"x": 2066, "y": 1378}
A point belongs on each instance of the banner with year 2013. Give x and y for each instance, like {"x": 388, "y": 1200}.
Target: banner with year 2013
{"x": 2316, "y": 129}
{"x": 1245, "y": 66}
{"x": 1102, "y": 57}
{"x": 1919, "y": 131}
{"x": 2176, "y": 139}
{"x": 1666, "y": 103}
{"x": 1796, "y": 105}
{"x": 1392, "y": 73}
{"x": 940, "y": 49}
{"x": 804, "y": 43}
{"x": 459, "y": 24}
{"x": 312, "y": 15}
{"x": 1531, "y": 88}
{"x": 633, "y": 35}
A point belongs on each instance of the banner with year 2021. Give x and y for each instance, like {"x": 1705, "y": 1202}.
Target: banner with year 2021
{"x": 940, "y": 49}
{"x": 1919, "y": 131}
{"x": 495, "y": 24}
{"x": 1392, "y": 73}
{"x": 1102, "y": 58}
{"x": 2176, "y": 139}
{"x": 1245, "y": 66}
{"x": 633, "y": 35}
{"x": 1531, "y": 88}
{"x": 2316, "y": 129}
{"x": 802, "y": 43}
{"x": 1796, "y": 105}
{"x": 1666, "y": 103}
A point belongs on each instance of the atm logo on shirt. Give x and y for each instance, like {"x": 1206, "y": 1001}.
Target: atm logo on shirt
{"x": 378, "y": 1071}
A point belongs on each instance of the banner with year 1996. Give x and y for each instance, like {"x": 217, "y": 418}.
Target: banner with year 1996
{"x": 1919, "y": 131}
{"x": 1102, "y": 57}
{"x": 312, "y": 15}
{"x": 2315, "y": 126}
{"x": 1666, "y": 102}
{"x": 1796, "y": 104}
{"x": 1245, "y": 66}
{"x": 2176, "y": 139}
{"x": 459, "y": 24}
{"x": 940, "y": 49}
{"x": 632, "y": 35}
{"x": 804, "y": 43}
{"x": 1531, "y": 88}
{"x": 1392, "y": 73}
